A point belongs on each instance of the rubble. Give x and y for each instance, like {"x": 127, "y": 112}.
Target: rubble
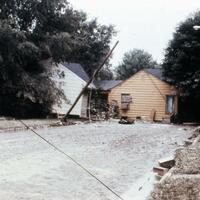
{"x": 188, "y": 142}
{"x": 177, "y": 187}
{"x": 126, "y": 120}
{"x": 187, "y": 160}
{"x": 183, "y": 181}
{"x": 165, "y": 164}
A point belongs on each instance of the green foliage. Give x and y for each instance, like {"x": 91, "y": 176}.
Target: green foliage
{"x": 106, "y": 73}
{"x": 35, "y": 30}
{"x": 132, "y": 62}
{"x": 182, "y": 57}
{"x": 182, "y": 66}
{"x": 25, "y": 88}
{"x": 93, "y": 44}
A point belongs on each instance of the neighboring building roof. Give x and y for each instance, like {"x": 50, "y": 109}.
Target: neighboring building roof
{"x": 156, "y": 72}
{"x": 107, "y": 84}
{"x": 77, "y": 69}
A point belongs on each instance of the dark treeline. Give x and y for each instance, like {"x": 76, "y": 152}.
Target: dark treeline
{"x": 182, "y": 66}
{"x": 35, "y": 30}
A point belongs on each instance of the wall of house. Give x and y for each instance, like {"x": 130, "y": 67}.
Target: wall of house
{"x": 71, "y": 85}
{"x": 148, "y": 95}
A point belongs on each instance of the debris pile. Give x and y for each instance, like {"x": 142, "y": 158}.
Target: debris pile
{"x": 165, "y": 165}
{"x": 178, "y": 187}
{"x": 183, "y": 180}
{"x": 126, "y": 120}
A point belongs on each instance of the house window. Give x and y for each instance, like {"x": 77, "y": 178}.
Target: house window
{"x": 169, "y": 104}
{"x": 126, "y": 99}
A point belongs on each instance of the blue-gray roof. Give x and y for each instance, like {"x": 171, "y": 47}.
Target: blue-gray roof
{"x": 107, "y": 84}
{"x": 156, "y": 72}
{"x": 77, "y": 69}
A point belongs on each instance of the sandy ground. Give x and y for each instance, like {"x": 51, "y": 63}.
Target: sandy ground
{"x": 122, "y": 156}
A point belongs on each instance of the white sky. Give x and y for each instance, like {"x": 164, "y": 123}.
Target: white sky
{"x": 143, "y": 24}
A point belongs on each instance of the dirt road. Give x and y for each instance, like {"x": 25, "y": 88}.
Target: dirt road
{"x": 120, "y": 155}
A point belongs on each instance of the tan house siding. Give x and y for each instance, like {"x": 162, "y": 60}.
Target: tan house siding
{"x": 148, "y": 93}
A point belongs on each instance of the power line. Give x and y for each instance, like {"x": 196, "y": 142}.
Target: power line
{"x": 72, "y": 159}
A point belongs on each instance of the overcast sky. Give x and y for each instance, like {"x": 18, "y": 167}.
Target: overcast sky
{"x": 143, "y": 24}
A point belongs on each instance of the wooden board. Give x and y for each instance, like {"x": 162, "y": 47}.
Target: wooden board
{"x": 167, "y": 162}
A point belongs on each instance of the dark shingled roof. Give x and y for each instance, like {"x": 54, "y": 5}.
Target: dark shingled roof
{"x": 158, "y": 73}
{"x": 107, "y": 84}
{"x": 77, "y": 69}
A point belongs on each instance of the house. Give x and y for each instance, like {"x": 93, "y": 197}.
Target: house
{"x": 145, "y": 95}
{"x": 71, "y": 78}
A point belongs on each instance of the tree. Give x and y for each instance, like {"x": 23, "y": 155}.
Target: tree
{"x": 182, "y": 57}
{"x": 182, "y": 61}
{"x": 93, "y": 45}
{"x": 132, "y": 62}
{"x": 105, "y": 73}
{"x": 35, "y": 30}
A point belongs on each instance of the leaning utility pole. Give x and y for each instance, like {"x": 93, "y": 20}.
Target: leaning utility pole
{"x": 90, "y": 80}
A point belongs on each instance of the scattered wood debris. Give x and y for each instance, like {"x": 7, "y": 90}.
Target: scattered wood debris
{"x": 188, "y": 142}
{"x": 161, "y": 171}
{"x": 126, "y": 120}
{"x": 165, "y": 164}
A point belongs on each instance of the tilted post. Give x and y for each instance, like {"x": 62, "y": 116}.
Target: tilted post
{"x": 90, "y": 80}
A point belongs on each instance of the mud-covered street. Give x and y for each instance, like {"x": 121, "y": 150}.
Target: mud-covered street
{"x": 122, "y": 156}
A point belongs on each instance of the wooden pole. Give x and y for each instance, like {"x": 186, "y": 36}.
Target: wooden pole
{"x": 90, "y": 80}
{"x": 89, "y": 105}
